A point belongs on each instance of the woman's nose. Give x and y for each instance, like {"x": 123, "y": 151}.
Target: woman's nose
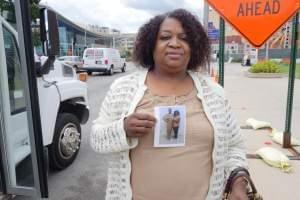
{"x": 174, "y": 42}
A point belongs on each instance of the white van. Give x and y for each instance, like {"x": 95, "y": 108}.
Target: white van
{"x": 102, "y": 60}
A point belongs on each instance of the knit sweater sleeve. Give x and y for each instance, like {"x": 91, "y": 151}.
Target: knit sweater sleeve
{"x": 108, "y": 134}
{"x": 236, "y": 155}
{"x": 236, "y": 151}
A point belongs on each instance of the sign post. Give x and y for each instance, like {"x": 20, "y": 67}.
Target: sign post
{"x": 257, "y": 21}
{"x": 290, "y": 97}
{"x": 221, "y": 51}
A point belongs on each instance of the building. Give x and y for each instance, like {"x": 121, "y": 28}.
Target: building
{"x": 126, "y": 41}
{"x": 115, "y": 31}
{"x": 234, "y": 45}
{"x": 74, "y": 38}
{"x": 102, "y": 29}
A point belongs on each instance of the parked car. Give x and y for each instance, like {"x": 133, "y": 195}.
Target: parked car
{"x": 106, "y": 60}
{"x": 74, "y": 61}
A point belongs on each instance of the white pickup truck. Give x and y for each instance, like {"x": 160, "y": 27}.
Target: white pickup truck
{"x": 63, "y": 105}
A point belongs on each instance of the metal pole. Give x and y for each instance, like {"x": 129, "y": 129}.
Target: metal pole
{"x": 290, "y": 97}
{"x": 84, "y": 38}
{"x": 221, "y": 51}
{"x": 114, "y": 42}
{"x": 72, "y": 46}
{"x": 205, "y": 15}
{"x": 267, "y": 50}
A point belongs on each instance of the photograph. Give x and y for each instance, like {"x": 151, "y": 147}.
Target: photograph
{"x": 170, "y": 126}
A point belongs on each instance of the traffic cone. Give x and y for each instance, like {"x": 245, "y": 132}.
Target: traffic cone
{"x": 214, "y": 76}
{"x": 217, "y": 78}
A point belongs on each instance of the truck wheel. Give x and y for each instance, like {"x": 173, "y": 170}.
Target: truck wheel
{"x": 66, "y": 141}
{"x": 124, "y": 68}
{"x": 111, "y": 71}
{"x": 89, "y": 73}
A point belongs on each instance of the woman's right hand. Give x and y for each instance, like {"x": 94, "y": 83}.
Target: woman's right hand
{"x": 138, "y": 124}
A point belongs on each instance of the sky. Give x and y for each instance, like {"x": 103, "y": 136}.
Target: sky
{"x": 124, "y": 15}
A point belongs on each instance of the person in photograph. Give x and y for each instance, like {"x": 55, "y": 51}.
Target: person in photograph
{"x": 175, "y": 123}
{"x": 170, "y": 51}
{"x": 168, "y": 119}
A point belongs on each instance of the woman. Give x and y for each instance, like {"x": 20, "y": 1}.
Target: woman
{"x": 171, "y": 47}
{"x": 168, "y": 119}
{"x": 175, "y": 123}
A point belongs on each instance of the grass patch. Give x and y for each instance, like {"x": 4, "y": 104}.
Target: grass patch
{"x": 265, "y": 67}
{"x": 284, "y": 68}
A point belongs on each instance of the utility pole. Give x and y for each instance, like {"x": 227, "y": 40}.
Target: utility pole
{"x": 114, "y": 45}
{"x": 84, "y": 38}
{"x": 267, "y": 50}
{"x": 205, "y": 15}
{"x": 205, "y": 22}
{"x": 72, "y": 46}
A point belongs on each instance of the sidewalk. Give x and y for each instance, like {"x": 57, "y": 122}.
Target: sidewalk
{"x": 265, "y": 99}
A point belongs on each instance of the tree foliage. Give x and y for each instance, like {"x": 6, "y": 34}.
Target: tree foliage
{"x": 8, "y": 5}
{"x": 34, "y": 8}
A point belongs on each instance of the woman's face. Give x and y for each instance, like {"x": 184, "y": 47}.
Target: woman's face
{"x": 172, "y": 51}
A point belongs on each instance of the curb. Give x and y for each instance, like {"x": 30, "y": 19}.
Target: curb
{"x": 264, "y": 75}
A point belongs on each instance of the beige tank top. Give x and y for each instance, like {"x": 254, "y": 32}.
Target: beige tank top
{"x": 173, "y": 173}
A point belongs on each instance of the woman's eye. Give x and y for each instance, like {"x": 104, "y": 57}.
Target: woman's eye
{"x": 164, "y": 37}
{"x": 183, "y": 37}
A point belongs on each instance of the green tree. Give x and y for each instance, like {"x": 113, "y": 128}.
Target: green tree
{"x": 35, "y": 13}
{"x": 34, "y": 8}
{"x": 3, "y": 6}
{"x": 8, "y": 5}
{"x": 36, "y": 39}
{"x": 128, "y": 54}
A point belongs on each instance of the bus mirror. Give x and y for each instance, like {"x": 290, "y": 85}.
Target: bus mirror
{"x": 49, "y": 32}
{"x": 49, "y": 39}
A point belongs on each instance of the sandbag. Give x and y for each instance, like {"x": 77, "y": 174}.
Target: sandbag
{"x": 275, "y": 158}
{"x": 256, "y": 124}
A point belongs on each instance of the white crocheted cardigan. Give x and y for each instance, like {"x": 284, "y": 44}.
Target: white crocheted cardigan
{"x": 108, "y": 135}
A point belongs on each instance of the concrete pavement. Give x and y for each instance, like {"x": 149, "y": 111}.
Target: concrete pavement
{"x": 265, "y": 99}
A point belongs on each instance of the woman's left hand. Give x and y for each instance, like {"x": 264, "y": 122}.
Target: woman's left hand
{"x": 239, "y": 190}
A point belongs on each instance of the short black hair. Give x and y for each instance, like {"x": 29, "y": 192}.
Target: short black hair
{"x": 196, "y": 37}
{"x": 176, "y": 112}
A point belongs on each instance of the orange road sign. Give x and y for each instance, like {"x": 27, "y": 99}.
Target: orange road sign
{"x": 256, "y": 20}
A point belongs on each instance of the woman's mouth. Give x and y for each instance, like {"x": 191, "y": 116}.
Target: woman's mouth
{"x": 174, "y": 55}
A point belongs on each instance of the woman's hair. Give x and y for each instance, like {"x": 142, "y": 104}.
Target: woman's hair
{"x": 176, "y": 113}
{"x": 196, "y": 37}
